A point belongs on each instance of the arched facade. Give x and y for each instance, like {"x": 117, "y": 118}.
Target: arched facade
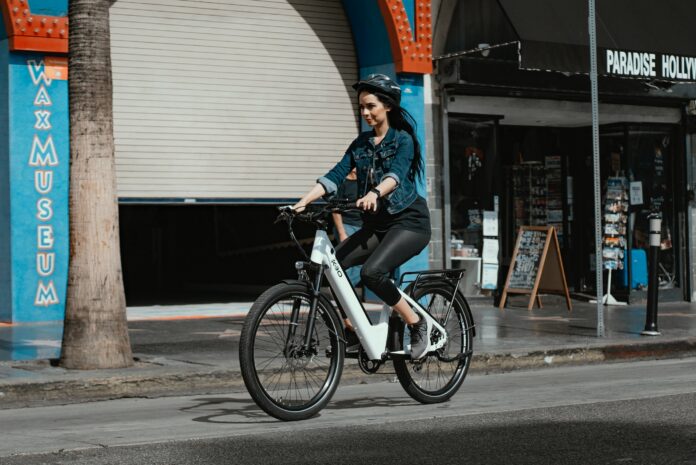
{"x": 391, "y": 36}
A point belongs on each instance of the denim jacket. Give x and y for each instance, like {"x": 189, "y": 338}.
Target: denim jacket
{"x": 390, "y": 159}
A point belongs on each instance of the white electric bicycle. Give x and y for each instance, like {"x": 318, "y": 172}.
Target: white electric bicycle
{"x": 292, "y": 345}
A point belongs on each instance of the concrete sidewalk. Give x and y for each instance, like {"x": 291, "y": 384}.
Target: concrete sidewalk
{"x": 193, "y": 349}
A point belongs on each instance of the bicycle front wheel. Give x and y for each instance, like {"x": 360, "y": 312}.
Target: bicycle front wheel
{"x": 286, "y": 378}
{"x": 439, "y": 375}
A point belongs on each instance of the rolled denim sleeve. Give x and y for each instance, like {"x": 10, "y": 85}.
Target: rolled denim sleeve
{"x": 402, "y": 160}
{"x": 334, "y": 178}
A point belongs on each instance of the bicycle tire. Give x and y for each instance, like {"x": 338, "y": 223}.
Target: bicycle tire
{"x": 266, "y": 329}
{"x": 460, "y": 341}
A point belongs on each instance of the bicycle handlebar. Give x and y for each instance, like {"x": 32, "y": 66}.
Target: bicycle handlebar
{"x": 312, "y": 214}
{"x": 315, "y": 214}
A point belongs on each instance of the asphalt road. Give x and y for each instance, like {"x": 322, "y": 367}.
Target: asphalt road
{"x": 627, "y": 413}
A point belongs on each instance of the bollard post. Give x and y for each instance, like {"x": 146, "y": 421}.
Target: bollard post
{"x": 653, "y": 258}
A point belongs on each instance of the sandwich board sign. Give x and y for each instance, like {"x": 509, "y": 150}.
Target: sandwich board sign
{"x": 536, "y": 266}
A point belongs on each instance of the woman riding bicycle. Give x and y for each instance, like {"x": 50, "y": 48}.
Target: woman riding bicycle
{"x": 396, "y": 222}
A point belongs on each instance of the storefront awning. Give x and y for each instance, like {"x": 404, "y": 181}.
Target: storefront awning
{"x": 641, "y": 39}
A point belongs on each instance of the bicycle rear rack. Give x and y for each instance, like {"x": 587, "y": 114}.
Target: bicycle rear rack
{"x": 452, "y": 277}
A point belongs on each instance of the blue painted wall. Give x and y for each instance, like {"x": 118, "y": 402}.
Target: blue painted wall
{"x": 412, "y": 98}
{"x": 369, "y": 34}
{"x": 49, "y": 7}
{"x": 35, "y": 158}
{"x": 410, "y": 6}
{"x": 374, "y": 55}
{"x": 5, "y": 257}
{"x": 31, "y": 341}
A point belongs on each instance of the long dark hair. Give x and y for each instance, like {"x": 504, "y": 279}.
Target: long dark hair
{"x": 401, "y": 119}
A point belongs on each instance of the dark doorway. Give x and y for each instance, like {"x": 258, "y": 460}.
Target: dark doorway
{"x": 203, "y": 253}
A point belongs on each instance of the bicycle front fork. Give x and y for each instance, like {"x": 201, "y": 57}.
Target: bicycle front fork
{"x": 295, "y": 316}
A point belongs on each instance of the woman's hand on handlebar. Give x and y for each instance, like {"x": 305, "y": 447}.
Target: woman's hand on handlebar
{"x": 368, "y": 202}
{"x": 299, "y": 207}
{"x": 315, "y": 193}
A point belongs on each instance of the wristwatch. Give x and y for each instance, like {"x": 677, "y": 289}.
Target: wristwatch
{"x": 376, "y": 191}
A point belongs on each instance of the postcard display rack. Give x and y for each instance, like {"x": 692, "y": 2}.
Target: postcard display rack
{"x": 614, "y": 240}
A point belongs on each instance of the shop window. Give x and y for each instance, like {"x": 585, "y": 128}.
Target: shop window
{"x": 642, "y": 158}
{"x": 474, "y": 185}
{"x": 650, "y": 170}
{"x": 472, "y": 154}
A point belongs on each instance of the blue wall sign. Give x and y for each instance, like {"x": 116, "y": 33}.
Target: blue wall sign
{"x": 36, "y": 160}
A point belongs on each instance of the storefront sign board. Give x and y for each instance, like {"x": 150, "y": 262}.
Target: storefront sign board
{"x": 37, "y": 164}
{"x": 536, "y": 266}
{"x": 668, "y": 67}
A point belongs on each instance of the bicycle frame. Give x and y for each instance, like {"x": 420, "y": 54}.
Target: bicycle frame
{"x": 373, "y": 337}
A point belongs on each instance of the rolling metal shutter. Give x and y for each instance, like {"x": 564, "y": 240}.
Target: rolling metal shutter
{"x": 230, "y": 99}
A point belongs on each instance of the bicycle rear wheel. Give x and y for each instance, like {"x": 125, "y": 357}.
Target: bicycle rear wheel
{"x": 438, "y": 376}
{"x": 285, "y": 379}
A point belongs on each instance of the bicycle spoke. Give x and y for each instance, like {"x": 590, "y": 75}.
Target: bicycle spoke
{"x": 266, "y": 364}
{"x": 311, "y": 378}
{"x": 280, "y": 376}
{"x": 309, "y": 394}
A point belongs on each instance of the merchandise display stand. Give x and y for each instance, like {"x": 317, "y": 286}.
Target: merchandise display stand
{"x": 609, "y": 299}
{"x": 614, "y": 242}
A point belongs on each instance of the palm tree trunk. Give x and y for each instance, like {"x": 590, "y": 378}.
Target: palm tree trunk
{"x": 96, "y": 333}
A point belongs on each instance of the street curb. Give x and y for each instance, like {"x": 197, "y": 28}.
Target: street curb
{"x": 496, "y": 363}
{"x": 117, "y": 387}
{"x": 168, "y": 383}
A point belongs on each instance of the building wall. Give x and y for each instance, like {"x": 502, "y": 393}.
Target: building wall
{"x": 5, "y": 250}
{"x": 434, "y": 165}
{"x": 443, "y": 12}
{"x": 33, "y": 91}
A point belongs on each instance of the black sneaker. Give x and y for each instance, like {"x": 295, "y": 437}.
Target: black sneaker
{"x": 419, "y": 339}
{"x": 352, "y": 341}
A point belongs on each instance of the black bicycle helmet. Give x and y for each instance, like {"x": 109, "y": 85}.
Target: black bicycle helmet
{"x": 379, "y": 83}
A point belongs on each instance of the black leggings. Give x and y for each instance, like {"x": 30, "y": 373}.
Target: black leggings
{"x": 380, "y": 254}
